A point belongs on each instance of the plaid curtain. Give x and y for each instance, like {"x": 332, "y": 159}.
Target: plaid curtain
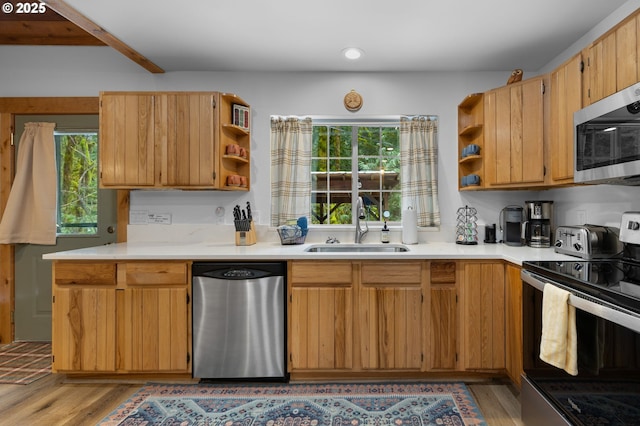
{"x": 419, "y": 168}
{"x": 290, "y": 168}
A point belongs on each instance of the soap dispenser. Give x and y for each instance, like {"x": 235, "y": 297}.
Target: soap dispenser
{"x": 384, "y": 233}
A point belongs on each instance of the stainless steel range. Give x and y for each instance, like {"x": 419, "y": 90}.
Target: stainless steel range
{"x": 604, "y": 287}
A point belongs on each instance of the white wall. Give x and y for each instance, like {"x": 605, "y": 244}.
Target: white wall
{"x": 73, "y": 71}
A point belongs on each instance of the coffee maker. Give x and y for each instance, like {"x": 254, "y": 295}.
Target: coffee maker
{"x": 538, "y": 225}
{"x": 511, "y": 224}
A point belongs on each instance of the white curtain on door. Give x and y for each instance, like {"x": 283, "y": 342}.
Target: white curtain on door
{"x": 30, "y": 214}
{"x": 419, "y": 168}
{"x": 291, "y": 139}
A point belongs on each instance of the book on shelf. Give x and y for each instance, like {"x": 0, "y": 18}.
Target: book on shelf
{"x": 240, "y": 116}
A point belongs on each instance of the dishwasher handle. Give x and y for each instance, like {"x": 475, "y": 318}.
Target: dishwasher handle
{"x": 239, "y": 273}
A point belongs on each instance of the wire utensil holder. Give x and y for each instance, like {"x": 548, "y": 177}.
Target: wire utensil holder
{"x": 467, "y": 227}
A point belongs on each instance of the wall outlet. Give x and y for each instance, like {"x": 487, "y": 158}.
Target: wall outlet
{"x": 256, "y": 217}
{"x": 581, "y": 217}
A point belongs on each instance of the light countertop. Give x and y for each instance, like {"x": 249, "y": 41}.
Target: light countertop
{"x": 275, "y": 251}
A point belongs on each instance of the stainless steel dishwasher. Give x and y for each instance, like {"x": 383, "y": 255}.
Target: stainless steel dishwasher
{"x": 239, "y": 320}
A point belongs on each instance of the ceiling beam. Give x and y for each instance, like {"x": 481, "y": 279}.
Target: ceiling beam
{"x": 45, "y": 33}
{"x": 98, "y": 32}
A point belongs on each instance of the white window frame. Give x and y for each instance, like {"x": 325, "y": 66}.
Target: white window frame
{"x": 374, "y": 121}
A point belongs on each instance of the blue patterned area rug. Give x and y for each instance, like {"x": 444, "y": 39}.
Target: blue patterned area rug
{"x": 388, "y": 404}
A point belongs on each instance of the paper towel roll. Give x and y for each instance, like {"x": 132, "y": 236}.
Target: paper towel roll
{"x": 410, "y": 226}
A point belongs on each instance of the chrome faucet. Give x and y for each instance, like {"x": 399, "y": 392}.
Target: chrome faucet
{"x": 360, "y": 215}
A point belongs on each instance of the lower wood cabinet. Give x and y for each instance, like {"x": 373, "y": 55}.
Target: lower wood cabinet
{"x": 483, "y": 315}
{"x": 514, "y": 348}
{"x": 121, "y": 317}
{"x": 320, "y": 316}
{"x": 390, "y": 315}
{"x": 355, "y": 316}
{"x": 84, "y": 329}
{"x": 403, "y": 318}
{"x": 443, "y": 318}
{"x": 155, "y": 319}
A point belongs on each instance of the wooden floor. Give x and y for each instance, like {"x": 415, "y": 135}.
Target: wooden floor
{"x": 54, "y": 401}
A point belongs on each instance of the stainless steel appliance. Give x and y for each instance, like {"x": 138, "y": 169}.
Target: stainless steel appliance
{"x": 607, "y": 140}
{"x": 239, "y": 320}
{"x": 588, "y": 241}
{"x": 511, "y": 225}
{"x": 538, "y": 225}
{"x": 606, "y": 295}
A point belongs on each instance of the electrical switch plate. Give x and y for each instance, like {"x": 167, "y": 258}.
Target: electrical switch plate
{"x": 138, "y": 217}
{"x": 256, "y": 216}
{"x": 160, "y": 218}
{"x": 630, "y": 228}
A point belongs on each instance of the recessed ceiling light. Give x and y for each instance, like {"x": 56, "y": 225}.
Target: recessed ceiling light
{"x": 352, "y": 53}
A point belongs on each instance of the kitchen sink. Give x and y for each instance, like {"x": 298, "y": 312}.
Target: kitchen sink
{"x": 357, "y": 248}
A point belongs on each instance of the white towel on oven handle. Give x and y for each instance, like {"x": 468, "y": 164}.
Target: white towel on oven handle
{"x": 559, "y": 343}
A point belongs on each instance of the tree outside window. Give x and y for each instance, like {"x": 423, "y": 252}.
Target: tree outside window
{"x": 77, "y": 161}
{"x": 371, "y": 154}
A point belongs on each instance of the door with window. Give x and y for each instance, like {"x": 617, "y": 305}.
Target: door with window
{"x": 86, "y": 217}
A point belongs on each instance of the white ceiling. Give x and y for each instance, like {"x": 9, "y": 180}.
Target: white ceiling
{"x": 400, "y": 35}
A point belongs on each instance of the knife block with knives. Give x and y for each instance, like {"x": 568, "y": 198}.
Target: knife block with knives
{"x": 243, "y": 221}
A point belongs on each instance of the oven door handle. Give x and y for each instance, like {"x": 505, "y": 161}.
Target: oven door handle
{"x": 532, "y": 280}
{"x": 587, "y": 303}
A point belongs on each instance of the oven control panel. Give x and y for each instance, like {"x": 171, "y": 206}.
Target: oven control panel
{"x": 630, "y": 228}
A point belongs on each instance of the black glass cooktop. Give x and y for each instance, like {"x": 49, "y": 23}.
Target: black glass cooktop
{"x": 615, "y": 281}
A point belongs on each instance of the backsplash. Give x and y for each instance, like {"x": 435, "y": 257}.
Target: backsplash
{"x": 207, "y": 215}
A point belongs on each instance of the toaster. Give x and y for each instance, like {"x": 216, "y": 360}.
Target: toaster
{"x": 588, "y": 241}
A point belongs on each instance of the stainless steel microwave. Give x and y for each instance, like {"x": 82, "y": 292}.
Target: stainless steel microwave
{"x": 607, "y": 140}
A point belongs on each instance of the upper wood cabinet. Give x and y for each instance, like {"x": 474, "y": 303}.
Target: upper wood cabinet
{"x": 612, "y": 61}
{"x": 127, "y": 140}
{"x": 171, "y": 140}
{"x": 566, "y": 98}
{"x": 514, "y": 135}
{"x": 186, "y": 139}
{"x": 527, "y": 138}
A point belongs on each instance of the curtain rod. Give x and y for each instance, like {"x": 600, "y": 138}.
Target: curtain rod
{"x": 376, "y": 119}
{"x": 75, "y": 130}
{"x": 367, "y": 119}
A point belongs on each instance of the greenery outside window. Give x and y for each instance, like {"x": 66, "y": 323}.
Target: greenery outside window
{"x": 355, "y": 159}
{"x": 77, "y": 162}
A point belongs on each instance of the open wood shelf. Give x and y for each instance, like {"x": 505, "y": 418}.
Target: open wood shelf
{"x": 470, "y": 158}
{"x": 236, "y": 129}
{"x": 471, "y": 130}
{"x": 471, "y": 101}
{"x": 236, "y": 158}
